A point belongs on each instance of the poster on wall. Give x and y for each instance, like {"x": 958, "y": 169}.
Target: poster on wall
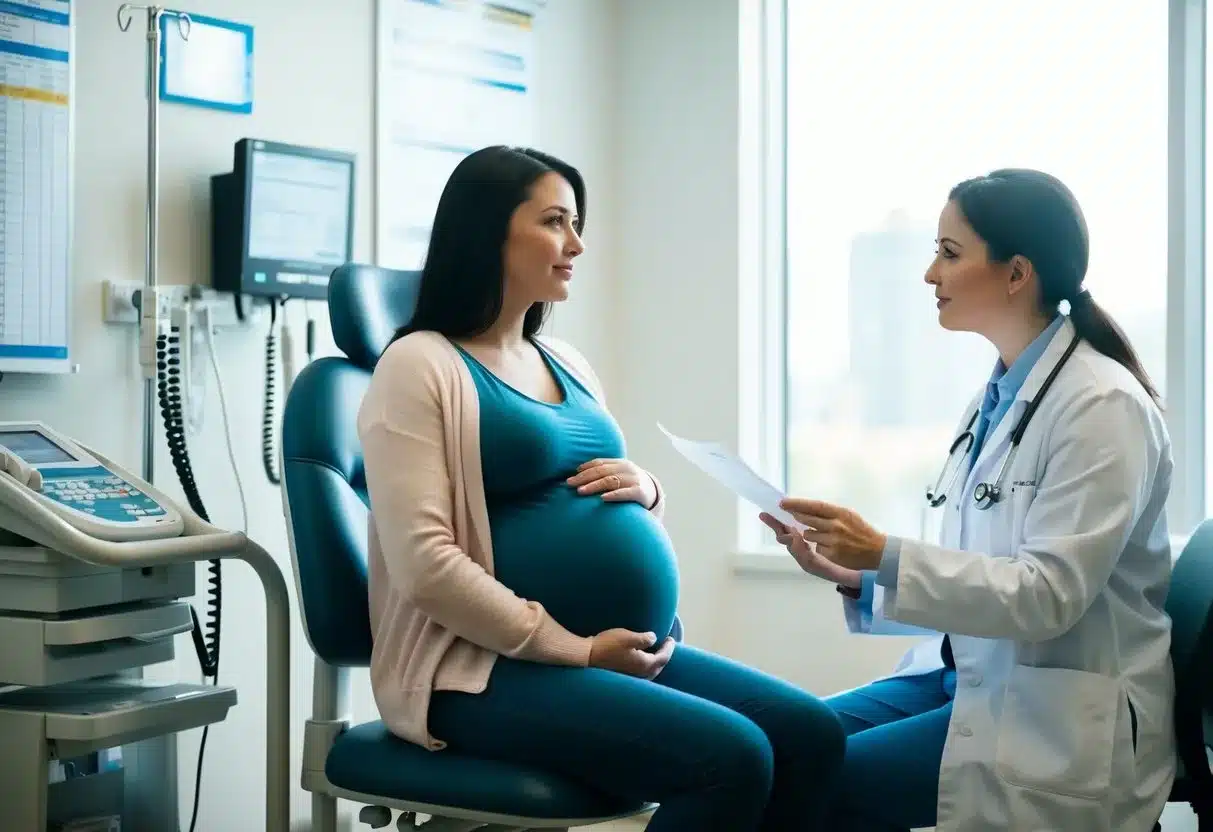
{"x": 37, "y": 81}
{"x": 452, "y": 76}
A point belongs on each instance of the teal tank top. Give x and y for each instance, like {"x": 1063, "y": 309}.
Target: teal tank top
{"x": 593, "y": 565}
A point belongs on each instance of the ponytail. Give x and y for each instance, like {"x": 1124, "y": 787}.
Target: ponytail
{"x": 1096, "y": 327}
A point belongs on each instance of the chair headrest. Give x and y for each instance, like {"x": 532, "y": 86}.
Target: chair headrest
{"x": 367, "y": 304}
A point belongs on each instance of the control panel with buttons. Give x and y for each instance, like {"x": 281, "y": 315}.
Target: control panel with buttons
{"x": 87, "y": 493}
{"x": 95, "y": 491}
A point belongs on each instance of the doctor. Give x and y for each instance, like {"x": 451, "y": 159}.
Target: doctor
{"x": 1043, "y": 699}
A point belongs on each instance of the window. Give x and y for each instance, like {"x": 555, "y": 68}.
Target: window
{"x": 888, "y": 106}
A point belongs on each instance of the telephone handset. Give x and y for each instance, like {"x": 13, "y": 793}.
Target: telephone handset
{"x": 97, "y": 500}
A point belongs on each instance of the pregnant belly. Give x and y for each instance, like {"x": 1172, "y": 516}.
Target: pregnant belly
{"x": 592, "y": 565}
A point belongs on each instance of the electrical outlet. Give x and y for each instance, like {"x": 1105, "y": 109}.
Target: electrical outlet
{"x": 118, "y": 301}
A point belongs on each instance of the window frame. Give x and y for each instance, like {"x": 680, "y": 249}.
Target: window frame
{"x": 764, "y": 434}
{"x": 762, "y": 284}
{"x": 1186, "y": 277}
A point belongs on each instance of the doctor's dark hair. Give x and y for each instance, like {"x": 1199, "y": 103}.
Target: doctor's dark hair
{"x": 463, "y": 279}
{"x": 1032, "y": 214}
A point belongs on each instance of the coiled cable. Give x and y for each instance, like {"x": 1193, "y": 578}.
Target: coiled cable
{"x": 267, "y": 419}
{"x": 206, "y": 640}
{"x": 168, "y": 351}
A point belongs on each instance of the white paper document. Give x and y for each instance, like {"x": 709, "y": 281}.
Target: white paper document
{"x": 732, "y": 472}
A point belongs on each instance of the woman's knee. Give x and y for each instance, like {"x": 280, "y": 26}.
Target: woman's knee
{"x": 806, "y": 732}
{"x": 822, "y": 727}
{"x": 742, "y": 757}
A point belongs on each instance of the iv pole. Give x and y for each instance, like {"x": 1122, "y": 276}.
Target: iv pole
{"x": 149, "y": 298}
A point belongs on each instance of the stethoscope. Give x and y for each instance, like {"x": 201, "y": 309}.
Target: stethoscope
{"x": 986, "y": 494}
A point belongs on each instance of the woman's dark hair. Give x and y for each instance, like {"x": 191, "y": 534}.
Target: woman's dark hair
{"x": 1032, "y": 214}
{"x": 463, "y": 280}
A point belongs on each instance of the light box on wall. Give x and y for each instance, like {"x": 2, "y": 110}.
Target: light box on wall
{"x": 207, "y": 63}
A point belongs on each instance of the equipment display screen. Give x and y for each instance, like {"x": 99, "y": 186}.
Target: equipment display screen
{"x": 299, "y": 209}
{"x": 34, "y": 448}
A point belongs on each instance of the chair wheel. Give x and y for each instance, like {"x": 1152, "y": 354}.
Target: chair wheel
{"x": 375, "y": 817}
{"x": 407, "y": 821}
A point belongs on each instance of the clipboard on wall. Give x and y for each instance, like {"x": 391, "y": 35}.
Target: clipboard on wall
{"x": 212, "y": 66}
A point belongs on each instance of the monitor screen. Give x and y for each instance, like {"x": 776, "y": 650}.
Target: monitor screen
{"x": 34, "y": 448}
{"x": 299, "y": 208}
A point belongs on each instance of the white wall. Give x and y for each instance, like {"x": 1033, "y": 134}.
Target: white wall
{"x": 577, "y": 114}
{"x": 313, "y": 76}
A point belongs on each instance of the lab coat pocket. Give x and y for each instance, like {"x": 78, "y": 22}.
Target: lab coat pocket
{"x": 1021, "y": 498}
{"x": 1057, "y": 731}
{"x": 999, "y": 531}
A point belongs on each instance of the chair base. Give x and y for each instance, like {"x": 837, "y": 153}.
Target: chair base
{"x": 319, "y": 738}
{"x": 442, "y": 818}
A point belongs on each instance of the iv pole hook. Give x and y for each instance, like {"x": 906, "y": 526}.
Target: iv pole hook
{"x": 124, "y": 14}
{"x": 184, "y": 23}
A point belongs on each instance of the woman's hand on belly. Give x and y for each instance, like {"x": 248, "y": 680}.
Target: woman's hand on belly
{"x": 617, "y": 480}
{"x": 627, "y": 652}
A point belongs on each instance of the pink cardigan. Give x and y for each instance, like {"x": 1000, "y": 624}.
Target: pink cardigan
{"x": 439, "y": 618}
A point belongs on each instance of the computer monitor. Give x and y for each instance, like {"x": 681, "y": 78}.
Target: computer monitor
{"x": 282, "y": 220}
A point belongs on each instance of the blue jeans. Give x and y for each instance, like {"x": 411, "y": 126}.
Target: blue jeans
{"x": 721, "y": 746}
{"x": 895, "y": 736}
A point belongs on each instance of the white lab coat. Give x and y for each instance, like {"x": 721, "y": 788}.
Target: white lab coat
{"x": 1054, "y": 599}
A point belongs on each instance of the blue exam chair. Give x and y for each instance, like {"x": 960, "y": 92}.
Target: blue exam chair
{"x": 1190, "y": 605}
{"x": 325, "y": 502}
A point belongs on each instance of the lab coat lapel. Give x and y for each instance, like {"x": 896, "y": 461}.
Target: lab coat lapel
{"x": 997, "y": 441}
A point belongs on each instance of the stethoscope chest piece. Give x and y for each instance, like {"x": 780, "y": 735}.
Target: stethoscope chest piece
{"x": 986, "y": 494}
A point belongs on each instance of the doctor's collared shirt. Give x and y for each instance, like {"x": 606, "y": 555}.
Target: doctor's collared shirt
{"x": 1001, "y": 390}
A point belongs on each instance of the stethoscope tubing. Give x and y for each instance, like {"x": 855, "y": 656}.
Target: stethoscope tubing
{"x": 986, "y": 494}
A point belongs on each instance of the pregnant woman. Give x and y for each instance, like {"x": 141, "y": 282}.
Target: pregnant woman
{"x": 523, "y": 588}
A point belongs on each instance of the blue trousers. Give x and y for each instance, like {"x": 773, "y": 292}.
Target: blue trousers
{"x": 895, "y": 736}
{"x": 721, "y": 746}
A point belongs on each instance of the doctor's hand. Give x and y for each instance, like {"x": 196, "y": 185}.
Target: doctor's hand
{"x": 807, "y": 556}
{"x": 617, "y": 480}
{"x": 840, "y": 535}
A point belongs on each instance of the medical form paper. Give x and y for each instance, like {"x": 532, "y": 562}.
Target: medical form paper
{"x": 732, "y": 472}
